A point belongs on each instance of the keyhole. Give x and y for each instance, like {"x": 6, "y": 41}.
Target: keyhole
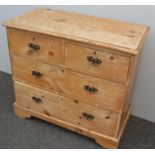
{"x": 51, "y": 53}
{"x": 111, "y": 57}
{"x": 76, "y": 101}
{"x": 107, "y": 117}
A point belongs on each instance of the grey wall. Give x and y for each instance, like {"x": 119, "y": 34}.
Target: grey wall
{"x": 144, "y": 91}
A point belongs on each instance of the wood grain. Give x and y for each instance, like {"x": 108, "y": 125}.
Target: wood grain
{"x": 88, "y": 29}
{"x": 66, "y": 109}
{"x": 110, "y": 95}
{"x": 113, "y": 66}
{"x": 49, "y": 52}
{"x": 76, "y": 71}
{"x": 102, "y": 139}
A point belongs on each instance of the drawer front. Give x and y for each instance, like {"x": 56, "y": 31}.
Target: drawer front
{"x": 98, "y": 63}
{"x": 35, "y": 46}
{"x": 99, "y": 92}
{"x": 67, "y": 109}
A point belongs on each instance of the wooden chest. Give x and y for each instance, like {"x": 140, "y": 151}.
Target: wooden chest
{"x": 75, "y": 71}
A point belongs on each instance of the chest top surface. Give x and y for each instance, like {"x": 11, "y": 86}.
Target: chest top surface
{"x": 84, "y": 28}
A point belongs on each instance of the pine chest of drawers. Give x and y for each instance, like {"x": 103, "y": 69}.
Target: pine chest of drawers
{"x": 75, "y": 71}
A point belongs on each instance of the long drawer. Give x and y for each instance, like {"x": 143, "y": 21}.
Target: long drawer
{"x": 35, "y": 46}
{"x": 101, "y": 63}
{"x": 98, "y": 92}
{"x": 67, "y": 109}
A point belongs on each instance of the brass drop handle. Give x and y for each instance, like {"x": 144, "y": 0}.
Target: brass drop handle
{"x": 88, "y": 116}
{"x": 94, "y": 60}
{"x": 36, "y": 100}
{"x": 34, "y": 47}
{"x": 36, "y": 74}
{"x": 90, "y": 89}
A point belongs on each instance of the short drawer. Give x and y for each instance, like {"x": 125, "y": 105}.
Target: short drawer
{"x": 35, "y": 46}
{"x": 98, "y": 92}
{"x": 95, "y": 62}
{"x": 67, "y": 109}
